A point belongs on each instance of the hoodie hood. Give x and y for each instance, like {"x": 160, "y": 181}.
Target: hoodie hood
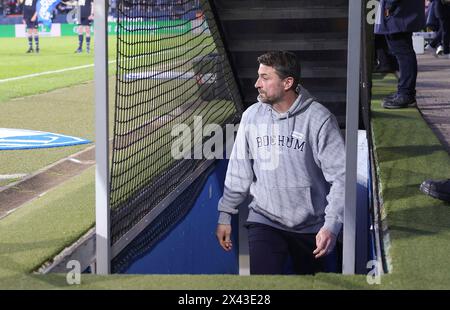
{"x": 300, "y": 104}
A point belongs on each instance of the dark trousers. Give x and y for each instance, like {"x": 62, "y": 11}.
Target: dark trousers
{"x": 445, "y": 26}
{"x": 442, "y": 36}
{"x": 384, "y": 60}
{"x": 437, "y": 39}
{"x": 272, "y": 249}
{"x": 401, "y": 46}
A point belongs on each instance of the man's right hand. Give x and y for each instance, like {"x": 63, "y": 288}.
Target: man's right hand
{"x": 223, "y": 234}
{"x": 390, "y": 8}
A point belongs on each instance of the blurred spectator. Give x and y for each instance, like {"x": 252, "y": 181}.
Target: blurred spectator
{"x": 64, "y": 7}
{"x": 13, "y": 7}
{"x": 397, "y": 20}
{"x": 432, "y": 20}
{"x": 433, "y": 23}
{"x": 113, "y": 8}
{"x": 150, "y": 9}
{"x": 442, "y": 11}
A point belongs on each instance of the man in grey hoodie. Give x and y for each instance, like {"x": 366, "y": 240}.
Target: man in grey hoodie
{"x": 289, "y": 155}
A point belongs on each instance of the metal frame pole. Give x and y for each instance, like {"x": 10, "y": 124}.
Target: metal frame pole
{"x": 102, "y": 211}
{"x": 351, "y": 134}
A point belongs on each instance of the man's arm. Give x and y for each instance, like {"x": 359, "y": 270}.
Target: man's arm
{"x": 237, "y": 183}
{"x": 19, "y": 2}
{"x": 91, "y": 17}
{"x": 238, "y": 178}
{"x": 331, "y": 154}
{"x": 33, "y": 18}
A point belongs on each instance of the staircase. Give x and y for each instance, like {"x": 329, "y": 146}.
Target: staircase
{"x": 316, "y": 31}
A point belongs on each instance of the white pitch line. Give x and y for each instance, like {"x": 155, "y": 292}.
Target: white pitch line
{"x": 75, "y": 68}
{"x": 49, "y": 72}
{"x": 75, "y": 160}
{"x": 12, "y": 176}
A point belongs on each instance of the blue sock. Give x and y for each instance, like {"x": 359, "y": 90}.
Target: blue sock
{"x": 80, "y": 41}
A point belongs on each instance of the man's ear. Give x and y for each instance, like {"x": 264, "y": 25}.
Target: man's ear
{"x": 288, "y": 82}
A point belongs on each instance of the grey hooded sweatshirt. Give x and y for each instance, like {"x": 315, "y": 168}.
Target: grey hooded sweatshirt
{"x": 292, "y": 164}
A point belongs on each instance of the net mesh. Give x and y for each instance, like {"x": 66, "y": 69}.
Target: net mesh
{"x": 159, "y": 228}
{"x": 171, "y": 69}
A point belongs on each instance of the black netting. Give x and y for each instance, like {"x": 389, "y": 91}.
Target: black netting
{"x": 171, "y": 68}
{"x": 159, "y": 227}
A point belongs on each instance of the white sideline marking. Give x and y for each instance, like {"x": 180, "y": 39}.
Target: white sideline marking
{"x": 12, "y": 176}
{"x": 84, "y": 162}
{"x": 48, "y": 72}
{"x": 78, "y": 68}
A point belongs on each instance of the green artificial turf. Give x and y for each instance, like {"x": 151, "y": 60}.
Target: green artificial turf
{"x": 408, "y": 153}
{"x": 42, "y": 228}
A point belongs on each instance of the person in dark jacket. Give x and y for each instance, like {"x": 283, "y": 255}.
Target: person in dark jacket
{"x": 433, "y": 23}
{"x": 397, "y": 20}
{"x": 442, "y": 11}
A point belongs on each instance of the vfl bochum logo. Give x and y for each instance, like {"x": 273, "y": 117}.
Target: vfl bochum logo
{"x": 20, "y": 139}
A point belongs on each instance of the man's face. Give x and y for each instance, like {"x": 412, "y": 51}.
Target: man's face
{"x": 270, "y": 87}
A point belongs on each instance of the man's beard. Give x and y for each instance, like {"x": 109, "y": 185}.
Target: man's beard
{"x": 263, "y": 100}
{"x": 266, "y": 100}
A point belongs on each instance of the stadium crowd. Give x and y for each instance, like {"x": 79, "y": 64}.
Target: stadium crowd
{"x": 157, "y": 8}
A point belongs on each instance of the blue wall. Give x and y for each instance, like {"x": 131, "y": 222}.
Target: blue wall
{"x": 191, "y": 247}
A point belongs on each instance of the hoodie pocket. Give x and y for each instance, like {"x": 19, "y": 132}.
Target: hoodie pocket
{"x": 290, "y": 206}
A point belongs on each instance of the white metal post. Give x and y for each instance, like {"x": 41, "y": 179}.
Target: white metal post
{"x": 102, "y": 211}
{"x": 351, "y": 134}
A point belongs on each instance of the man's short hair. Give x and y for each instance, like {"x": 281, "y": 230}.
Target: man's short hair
{"x": 284, "y": 63}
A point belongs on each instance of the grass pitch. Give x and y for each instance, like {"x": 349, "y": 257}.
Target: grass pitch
{"x": 57, "y": 54}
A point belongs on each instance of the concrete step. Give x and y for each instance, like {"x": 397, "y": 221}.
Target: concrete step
{"x": 337, "y": 97}
{"x": 292, "y": 42}
{"x": 284, "y": 13}
{"x": 319, "y": 69}
{"x": 271, "y": 4}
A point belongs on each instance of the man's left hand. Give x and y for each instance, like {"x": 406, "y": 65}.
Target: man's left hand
{"x": 325, "y": 242}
